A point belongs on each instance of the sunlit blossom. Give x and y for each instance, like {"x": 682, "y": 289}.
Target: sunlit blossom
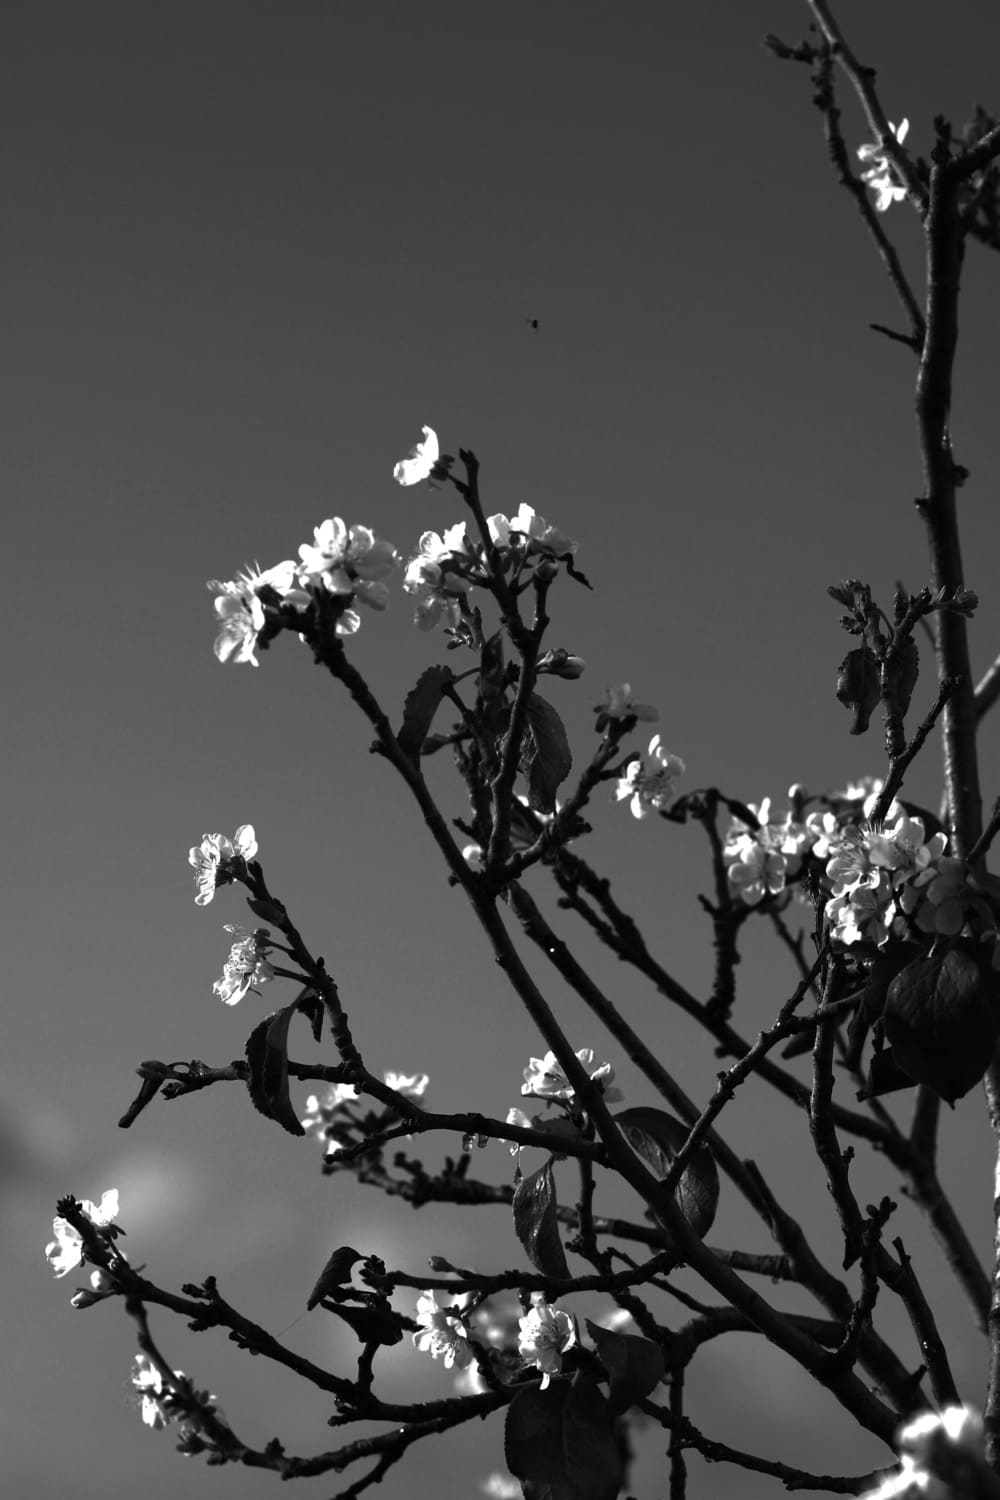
{"x": 213, "y": 859}
{"x": 878, "y": 176}
{"x": 531, "y": 531}
{"x": 648, "y": 781}
{"x": 420, "y": 460}
{"x": 246, "y": 967}
{"x": 240, "y": 611}
{"x": 436, "y": 577}
{"x": 545, "y": 1335}
{"x": 66, "y": 1251}
{"x": 349, "y": 561}
{"x": 545, "y": 1079}
{"x": 101, "y": 1286}
{"x": 151, "y": 1389}
{"x": 760, "y": 861}
{"x": 441, "y": 1334}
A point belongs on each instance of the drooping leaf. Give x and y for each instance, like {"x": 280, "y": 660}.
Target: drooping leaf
{"x": 267, "y": 1069}
{"x": 546, "y": 759}
{"x": 657, "y": 1137}
{"x": 422, "y": 703}
{"x": 536, "y": 1222}
{"x": 634, "y": 1365}
{"x": 858, "y": 686}
{"x": 561, "y": 1442}
{"x": 940, "y": 1019}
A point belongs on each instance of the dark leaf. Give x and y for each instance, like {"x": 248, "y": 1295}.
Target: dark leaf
{"x": 858, "y": 687}
{"x": 422, "y": 703}
{"x": 267, "y": 1069}
{"x": 561, "y": 1442}
{"x": 939, "y": 1020}
{"x": 657, "y": 1137}
{"x": 546, "y": 758}
{"x": 311, "y": 1006}
{"x": 885, "y": 1076}
{"x": 536, "y": 1222}
{"x": 373, "y": 1325}
{"x": 634, "y": 1365}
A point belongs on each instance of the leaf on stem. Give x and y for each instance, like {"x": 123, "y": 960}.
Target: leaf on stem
{"x": 422, "y": 703}
{"x": 940, "y": 1020}
{"x": 536, "y": 1222}
{"x": 546, "y": 759}
{"x": 634, "y": 1365}
{"x": 858, "y": 686}
{"x": 657, "y": 1137}
{"x": 561, "y": 1442}
{"x": 267, "y": 1069}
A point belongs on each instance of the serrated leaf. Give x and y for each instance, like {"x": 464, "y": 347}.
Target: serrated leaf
{"x": 657, "y": 1137}
{"x": 561, "y": 1442}
{"x": 635, "y": 1365}
{"x": 546, "y": 758}
{"x": 858, "y": 686}
{"x": 267, "y": 1069}
{"x": 422, "y": 703}
{"x": 536, "y": 1222}
{"x": 939, "y": 1020}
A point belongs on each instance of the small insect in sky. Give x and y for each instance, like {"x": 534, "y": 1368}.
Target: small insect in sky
{"x": 532, "y": 323}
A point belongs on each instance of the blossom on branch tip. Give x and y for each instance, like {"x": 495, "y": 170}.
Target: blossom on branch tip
{"x": 240, "y": 610}
{"x": 545, "y": 1335}
{"x": 66, "y": 1251}
{"x": 531, "y": 531}
{"x": 213, "y": 859}
{"x": 879, "y": 175}
{"x": 617, "y": 706}
{"x": 349, "y": 561}
{"x": 545, "y": 1079}
{"x": 441, "y": 1334}
{"x": 497, "y": 1486}
{"x": 420, "y": 460}
{"x": 648, "y": 781}
{"x": 246, "y": 965}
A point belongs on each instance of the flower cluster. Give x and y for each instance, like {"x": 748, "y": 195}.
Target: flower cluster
{"x": 161, "y": 1402}
{"x": 648, "y": 781}
{"x": 440, "y": 576}
{"x": 67, "y": 1250}
{"x": 545, "y": 1079}
{"x": 328, "y": 1119}
{"x": 878, "y": 174}
{"x": 246, "y": 965}
{"x": 954, "y": 1436}
{"x": 348, "y": 562}
{"x": 879, "y": 880}
{"x": 214, "y": 860}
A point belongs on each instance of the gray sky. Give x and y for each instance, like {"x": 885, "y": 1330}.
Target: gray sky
{"x": 248, "y": 250}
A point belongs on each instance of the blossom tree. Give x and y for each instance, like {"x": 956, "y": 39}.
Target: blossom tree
{"x": 887, "y": 910}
